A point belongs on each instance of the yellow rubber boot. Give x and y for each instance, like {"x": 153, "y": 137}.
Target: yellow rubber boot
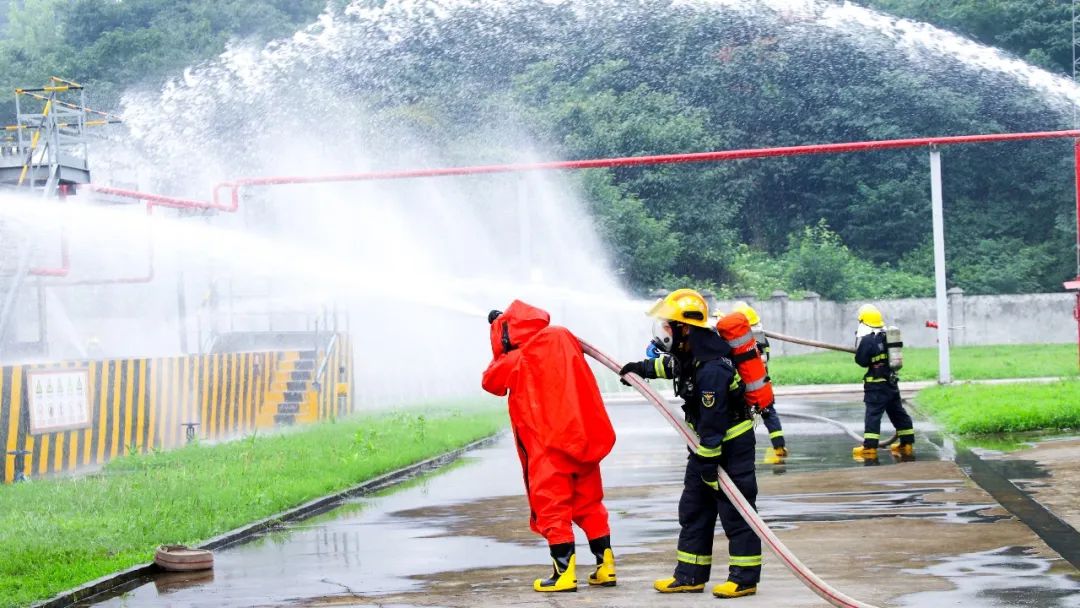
{"x": 731, "y": 589}
{"x": 673, "y": 585}
{"x": 604, "y": 576}
{"x": 564, "y": 575}
{"x": 862, "y": 454}
{"x": 771, "y": 457}
{"x": 903, "y": 451}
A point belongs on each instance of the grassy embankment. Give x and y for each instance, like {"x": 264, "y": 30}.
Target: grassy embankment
{"x": 58, "y": 533}
{"x": 968, "y": 363}
{"x": 969, "y": 409}
{"x": 1004, "y": 408}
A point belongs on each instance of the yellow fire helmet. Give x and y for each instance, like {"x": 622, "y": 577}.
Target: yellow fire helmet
{"x": 748, "y": 311}
{"x": 683, "y": 306}
{"x": 870, "y": 316}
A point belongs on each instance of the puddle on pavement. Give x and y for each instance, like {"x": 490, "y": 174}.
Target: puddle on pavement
{"x": 921, "y": 500}
{"x": 1007, "y": 577}
{"x": 472, "y": 515}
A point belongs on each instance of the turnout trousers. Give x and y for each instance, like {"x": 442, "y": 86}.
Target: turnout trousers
{"x": 699, "y": 508}
{"x": 884, "y": 398}
{"x": 772, "y": 423}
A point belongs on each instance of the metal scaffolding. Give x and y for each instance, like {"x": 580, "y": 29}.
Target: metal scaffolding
{"x": 45, "y": 149}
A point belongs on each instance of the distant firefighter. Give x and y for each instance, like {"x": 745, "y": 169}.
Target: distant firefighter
{"x": 768, "y": 413}
{"x": 562, "y": 432}
{"x": 878, "y": 349}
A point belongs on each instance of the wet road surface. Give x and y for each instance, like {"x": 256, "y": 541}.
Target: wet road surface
{"x": 899, "y": 534}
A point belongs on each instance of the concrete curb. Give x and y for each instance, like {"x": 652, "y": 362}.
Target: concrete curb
{"x": 134, "y": 576}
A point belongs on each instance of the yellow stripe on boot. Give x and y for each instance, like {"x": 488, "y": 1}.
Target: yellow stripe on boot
{"x": 604, "y": 576}
{"x": 559, "y": 581}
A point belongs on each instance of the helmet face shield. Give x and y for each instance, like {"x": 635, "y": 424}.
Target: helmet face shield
{"x": 663, "y": 335}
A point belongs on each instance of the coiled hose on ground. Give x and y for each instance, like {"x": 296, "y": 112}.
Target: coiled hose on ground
{"x": 768, "y": 538}
{"x": 837, "y": 424}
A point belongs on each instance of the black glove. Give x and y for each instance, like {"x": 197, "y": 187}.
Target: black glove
{"x": 634, "y": 367}
{"x": 493, "y": 315}
{"x": 710, "y": 474}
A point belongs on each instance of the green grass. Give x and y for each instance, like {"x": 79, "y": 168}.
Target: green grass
{"x": 59, "y": 533}
{"x": 1004, "y": 408}
{"x": 968, "y": 363}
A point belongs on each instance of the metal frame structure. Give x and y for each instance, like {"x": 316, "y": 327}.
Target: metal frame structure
{"x": 933, "y": 144}
{"x": 51, "y": 141}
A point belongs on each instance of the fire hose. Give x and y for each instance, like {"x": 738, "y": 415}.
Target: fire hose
{"x": 835, "y": 423}
{"x": 768, "y": 538}
{"x": 807, "y": 342}
{"x": 827, "y": 346}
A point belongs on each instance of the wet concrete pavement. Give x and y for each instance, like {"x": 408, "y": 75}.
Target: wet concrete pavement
{"x": 1050, "y": 472}
{"x": 906, "y": 534}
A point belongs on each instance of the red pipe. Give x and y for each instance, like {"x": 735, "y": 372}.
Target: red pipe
{"x": 157, "y": 200}
{"x": 122, "y": 280}
{"x": 152, "y": 200}
{"x": 630, "y": 161}
{"x": 65, "y": 260}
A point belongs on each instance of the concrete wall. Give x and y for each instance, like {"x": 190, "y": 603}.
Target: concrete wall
{"x": 975, "y": 320}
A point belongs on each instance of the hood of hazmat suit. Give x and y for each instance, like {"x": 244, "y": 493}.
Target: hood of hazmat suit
{"x": 554, "y": 399}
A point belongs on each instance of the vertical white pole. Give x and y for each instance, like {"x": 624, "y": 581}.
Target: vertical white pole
{"x": 944, "y": 373}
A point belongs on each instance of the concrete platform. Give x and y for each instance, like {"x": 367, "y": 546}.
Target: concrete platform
{"x": 898, "y": 534}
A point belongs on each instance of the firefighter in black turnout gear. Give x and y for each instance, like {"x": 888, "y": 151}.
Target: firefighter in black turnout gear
{"x": 696, "y": 359}
{"x": 881, "y": 390}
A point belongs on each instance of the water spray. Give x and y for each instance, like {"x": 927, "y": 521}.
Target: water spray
{"x": 768, "y": 538}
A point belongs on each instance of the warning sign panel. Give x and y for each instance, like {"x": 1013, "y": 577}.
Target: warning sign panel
{"x": 59, "y": 400}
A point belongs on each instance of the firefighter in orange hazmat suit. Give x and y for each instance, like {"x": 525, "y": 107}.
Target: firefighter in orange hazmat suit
{"x": 562, "y": 432}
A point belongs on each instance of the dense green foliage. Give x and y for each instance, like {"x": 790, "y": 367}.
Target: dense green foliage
{"x": 615, "y": 78}
{"x": 110, "y": 46}
{"x": 1004, "y": 408}
{"x": 968, "y": 363}
{"x": 59, "y": 533}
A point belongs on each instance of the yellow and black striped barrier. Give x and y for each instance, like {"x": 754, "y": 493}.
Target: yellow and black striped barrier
{"x": 134, "y": 405}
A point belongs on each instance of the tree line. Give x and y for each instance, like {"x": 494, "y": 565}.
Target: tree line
{"x": 618, "y": 78}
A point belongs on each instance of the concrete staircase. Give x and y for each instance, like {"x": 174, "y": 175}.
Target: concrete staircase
{"x": 292, "y": 397}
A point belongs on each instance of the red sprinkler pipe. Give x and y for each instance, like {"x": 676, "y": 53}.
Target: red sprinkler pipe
{"x": 630, "y": 161}
{"x": 156, "y": 199}
{"x": 148, "y": 278}
{"x": 65, "y": 260}
{"x": 758, "y": 525}
{"x": 152, "y": 200}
